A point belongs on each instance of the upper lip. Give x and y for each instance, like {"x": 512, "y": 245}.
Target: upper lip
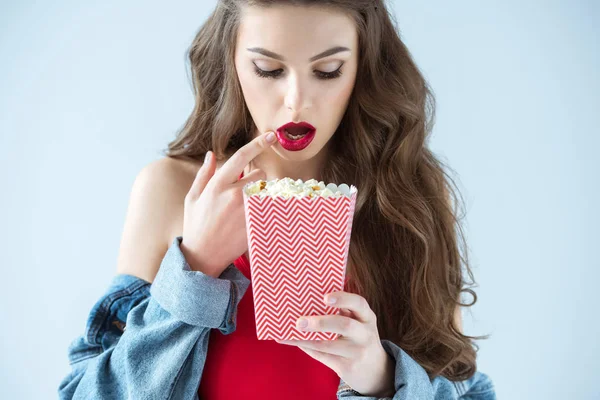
{"x": 299, "y": 124}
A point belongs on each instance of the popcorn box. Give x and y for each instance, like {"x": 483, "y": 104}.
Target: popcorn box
{"x": 298, "y": 248}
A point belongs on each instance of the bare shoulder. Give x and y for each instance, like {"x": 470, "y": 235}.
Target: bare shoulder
{"x": 168, "y": 180}
{"x": 154, "y": 215}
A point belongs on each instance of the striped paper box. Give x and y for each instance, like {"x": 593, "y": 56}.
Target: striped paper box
{"x": 298, "y": 248}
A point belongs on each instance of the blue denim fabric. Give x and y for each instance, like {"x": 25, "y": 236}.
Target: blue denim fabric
{"x": 150, "y": 341}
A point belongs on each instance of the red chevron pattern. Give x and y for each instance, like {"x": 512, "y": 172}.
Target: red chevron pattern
{"x": 298, "y": 250}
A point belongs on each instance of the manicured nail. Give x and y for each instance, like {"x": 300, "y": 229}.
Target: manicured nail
{"x": 331, "y": 300}
{"x": 207, "y": 157}
{"x": 270, "y": 137}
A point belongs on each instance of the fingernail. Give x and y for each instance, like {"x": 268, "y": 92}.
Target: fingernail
{"x": 302, "y": 323}
{"x": 270, "y": 137}
{"x": 331, "y": 300}
{"x": 207, "y": 157}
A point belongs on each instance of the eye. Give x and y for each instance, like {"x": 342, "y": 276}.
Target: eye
{"x": 330, "y": 75}
{"x": 277, "y": 72}
{"x": 267, "y": 74}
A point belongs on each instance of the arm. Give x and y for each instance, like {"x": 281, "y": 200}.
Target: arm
{"x": 412, "y": 382}
{"x": 145, "y": 337}
{"x": 160, "y": 353}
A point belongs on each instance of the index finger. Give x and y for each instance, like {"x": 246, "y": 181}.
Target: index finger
{"x": 231, "y": 169}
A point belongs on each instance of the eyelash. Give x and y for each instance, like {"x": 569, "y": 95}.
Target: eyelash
{"x": 275, "y": 73}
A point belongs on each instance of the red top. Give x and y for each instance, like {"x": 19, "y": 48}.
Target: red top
{"x": 239, "y": 366}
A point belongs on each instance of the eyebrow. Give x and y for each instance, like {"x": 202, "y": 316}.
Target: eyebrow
{"x": 331, "y": 51}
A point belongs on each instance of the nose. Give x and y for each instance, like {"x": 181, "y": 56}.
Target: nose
{"x": 296, "y": 97}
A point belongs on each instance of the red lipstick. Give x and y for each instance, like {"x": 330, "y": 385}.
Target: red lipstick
{"x": 295, "y": 137}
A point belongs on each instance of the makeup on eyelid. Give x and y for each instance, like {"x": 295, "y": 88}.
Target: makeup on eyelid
{"x": 277, "y": 72}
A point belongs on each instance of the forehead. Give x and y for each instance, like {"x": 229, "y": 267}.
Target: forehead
{"x": 296, "y": 32}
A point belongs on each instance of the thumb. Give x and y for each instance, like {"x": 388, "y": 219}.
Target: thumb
{"x": 204, "y": 174}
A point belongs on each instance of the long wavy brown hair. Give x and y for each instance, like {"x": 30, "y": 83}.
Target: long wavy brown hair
{"x": 408, "y": 254}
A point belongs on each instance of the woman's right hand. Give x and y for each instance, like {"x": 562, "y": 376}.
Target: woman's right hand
{"x": 214, "y": 222}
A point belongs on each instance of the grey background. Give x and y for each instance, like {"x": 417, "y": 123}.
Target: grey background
{"x": 91, "y": 91}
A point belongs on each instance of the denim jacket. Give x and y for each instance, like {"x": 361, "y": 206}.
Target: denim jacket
{"x": 150, "y": 340}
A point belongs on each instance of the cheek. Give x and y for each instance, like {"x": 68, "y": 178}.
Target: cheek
{"x": 333, "y": 104}
{"x": 336, "y": 100}
{"x": 256, "y": 94}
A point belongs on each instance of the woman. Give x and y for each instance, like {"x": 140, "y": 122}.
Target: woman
{"x": 259, "y": 69}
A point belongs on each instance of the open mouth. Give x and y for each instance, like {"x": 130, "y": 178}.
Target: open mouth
{"x": 296, "y": 136}
{"x": 296, "y": 132}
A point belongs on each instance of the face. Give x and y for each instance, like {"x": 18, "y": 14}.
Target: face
{"x": 287, "y": 73}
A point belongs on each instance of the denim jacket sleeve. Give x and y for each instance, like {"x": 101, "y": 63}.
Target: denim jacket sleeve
{"x": 412, "y": 382}
{"x": 126, "y": 350}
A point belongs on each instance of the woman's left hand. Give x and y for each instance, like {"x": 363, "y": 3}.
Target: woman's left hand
{"x": 357, "y": 356}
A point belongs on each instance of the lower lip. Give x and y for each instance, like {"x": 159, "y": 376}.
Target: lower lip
{"x": 295, "y": 145}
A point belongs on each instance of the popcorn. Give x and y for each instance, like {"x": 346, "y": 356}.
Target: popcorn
{"x": 287, "y": 187}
